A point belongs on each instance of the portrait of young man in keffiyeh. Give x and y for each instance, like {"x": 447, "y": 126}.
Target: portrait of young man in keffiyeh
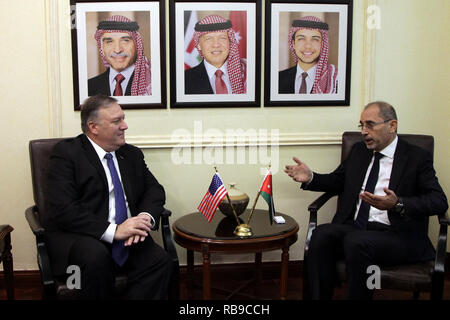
{"x": 312, "y": 73}
{"x": 121, "y": 50}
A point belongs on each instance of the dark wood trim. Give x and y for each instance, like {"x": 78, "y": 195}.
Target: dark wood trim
{"x": 240, "y": 271}
{"x": 23, "y": 279}
{"x": 270, "y": 270}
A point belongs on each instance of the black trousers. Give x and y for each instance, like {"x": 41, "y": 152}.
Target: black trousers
{"x": 378, "y": 245}
{"x": 148, "y": 269}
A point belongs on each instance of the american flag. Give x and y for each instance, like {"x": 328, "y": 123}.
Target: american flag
{"x": 216, "y": 192}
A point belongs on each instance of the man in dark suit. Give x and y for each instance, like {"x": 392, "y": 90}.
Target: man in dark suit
{"x": 388, "y": 189}
{"x": 103, "y": 203}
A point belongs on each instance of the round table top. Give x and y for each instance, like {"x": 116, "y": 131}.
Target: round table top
{"x": 222, "y": 227}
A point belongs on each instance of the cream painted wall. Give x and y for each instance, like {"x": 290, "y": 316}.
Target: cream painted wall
{"x": 25, "y": 107}
{"x": 41, "y": 44}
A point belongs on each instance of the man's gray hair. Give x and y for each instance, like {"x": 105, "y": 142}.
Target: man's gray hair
{"x": 90, "y": 107}
{"x": 386, "y": 111}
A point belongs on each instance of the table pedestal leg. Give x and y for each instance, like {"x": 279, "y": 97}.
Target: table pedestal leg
{"x": 258, "y": 274}
{"x": 190, "y": 272}
{"x": 284, "y": 272}
{"x": 206, "y": 273}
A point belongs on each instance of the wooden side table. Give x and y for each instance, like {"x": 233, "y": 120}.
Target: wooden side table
{"x": 194, "y": 233}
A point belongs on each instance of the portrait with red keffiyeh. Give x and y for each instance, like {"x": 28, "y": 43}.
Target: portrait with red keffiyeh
{"x": 119, "y": 52}
{"x": 310, "y": 53}
{"x": 222, "y": 70}
{"x": 217, "y": 53}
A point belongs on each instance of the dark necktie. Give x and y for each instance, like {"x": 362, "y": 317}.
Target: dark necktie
{"x": 118, "y": 90}
{"x": 119, "y": 251}
{"x": 221, "y": 88}
{"x": 363, "y": 214}
{"x": 303, "y": 85}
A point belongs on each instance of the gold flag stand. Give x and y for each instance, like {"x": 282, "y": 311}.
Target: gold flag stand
{"x": 242, "y": 230}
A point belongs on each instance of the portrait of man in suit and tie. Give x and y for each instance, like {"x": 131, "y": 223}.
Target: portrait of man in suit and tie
{"x": 312, "y": 73}
{"x": 121, "y": 49}
{"x": 221, "y": 70}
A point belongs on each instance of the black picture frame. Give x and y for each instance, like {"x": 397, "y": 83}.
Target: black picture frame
{"x": 279, "y": 88}
{"x": 85, "y": 13}
{"x": 182, "y": 17}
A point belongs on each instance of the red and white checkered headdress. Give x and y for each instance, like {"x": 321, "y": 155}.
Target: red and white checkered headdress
{"x": 236, "y": 66}
{"x": 325, "y": 79}
{"x": 141, "y": 85}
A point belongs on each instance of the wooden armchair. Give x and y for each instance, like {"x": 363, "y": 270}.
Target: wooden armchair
{"x": 7, "y": 259}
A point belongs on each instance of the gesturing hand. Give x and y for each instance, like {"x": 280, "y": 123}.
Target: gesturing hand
{"x": 299, "y": 172}
{"x": 385, "y": 202}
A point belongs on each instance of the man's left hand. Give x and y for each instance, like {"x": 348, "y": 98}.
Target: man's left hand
{"x": 135, "y": 239}
{"x": 385, "y": 202}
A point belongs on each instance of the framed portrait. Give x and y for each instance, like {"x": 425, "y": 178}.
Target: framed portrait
{"x": 215, "y": 53}
{"x": 308, "y": 53}
{"x": 118, "y": 49}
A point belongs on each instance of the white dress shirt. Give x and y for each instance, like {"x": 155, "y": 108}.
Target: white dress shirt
{"x": 309, "y": 79}
{"x": 108, "y": 235}
{"x": 126, "y": 73}
{"x": 211, "y": 71}
{"x": 384, "y": 178}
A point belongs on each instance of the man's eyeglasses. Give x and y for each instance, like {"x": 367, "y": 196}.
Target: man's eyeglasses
{"x": 370, "y": 124}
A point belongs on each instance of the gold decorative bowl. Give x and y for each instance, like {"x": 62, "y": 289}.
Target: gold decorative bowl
{"x": 238, "y": 199}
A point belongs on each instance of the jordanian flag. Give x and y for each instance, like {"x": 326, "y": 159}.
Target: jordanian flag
{"x": 266, "y": 193}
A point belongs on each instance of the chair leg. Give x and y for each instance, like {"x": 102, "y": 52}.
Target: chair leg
{"x": 437, "y": 286}
{"x": 174, "y": 284}
{"x": 8, "y": 268}
{"x": 306, "y": 291}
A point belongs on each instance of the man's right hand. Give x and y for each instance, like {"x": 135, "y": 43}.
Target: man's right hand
{"x": 299, "y": 172}
{"x": 134, "y": 226}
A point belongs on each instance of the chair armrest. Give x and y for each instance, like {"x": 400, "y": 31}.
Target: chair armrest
{"x": 444, "y": 219}
{"x": 320, "y": 201}
{"x": 168, "y": 243}
{"x": 437, "y": 284}
{"x": 4, "y": 231}
{"x": 441, "y": 248}
{"x": 169, "y": 246}
{"x": 313, "y": 208}
{"x": 32, "y": 216}
{"x": 43, "y": 260}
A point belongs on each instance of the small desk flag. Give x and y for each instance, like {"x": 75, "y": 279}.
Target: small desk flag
{"x": 216, "y": 192}
{"x": 266, "y": 193}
